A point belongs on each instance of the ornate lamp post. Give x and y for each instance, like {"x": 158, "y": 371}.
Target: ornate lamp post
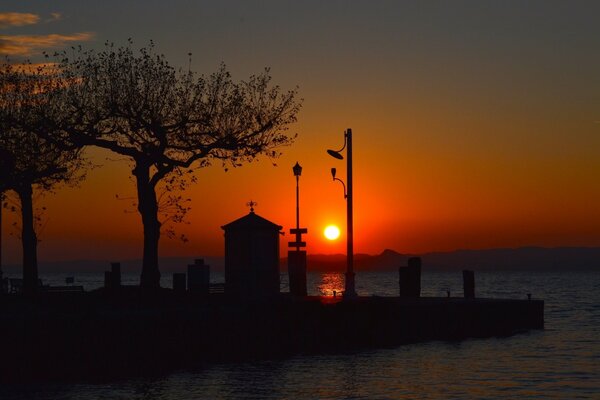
{"x": 297, "y": 172}
{"x": 350, "y": 288}
{"x": 297, "y": 257}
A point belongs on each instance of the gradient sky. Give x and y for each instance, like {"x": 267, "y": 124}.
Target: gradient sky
{"x": 476, "y": 124}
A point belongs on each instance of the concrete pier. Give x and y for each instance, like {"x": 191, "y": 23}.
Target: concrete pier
{"x": 119, "y": 333}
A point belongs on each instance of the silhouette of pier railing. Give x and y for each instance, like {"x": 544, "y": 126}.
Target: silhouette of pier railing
{"x": 16, "y": 285}
{"x": 64, "y": 289}
{"x": 216, "y": 288}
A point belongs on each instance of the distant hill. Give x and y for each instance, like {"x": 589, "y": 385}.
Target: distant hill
{"x": 387, "y": 260}
{"x": 523, "y": 258}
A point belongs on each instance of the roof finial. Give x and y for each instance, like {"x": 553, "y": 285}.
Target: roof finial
{"x": 251, "y": 204}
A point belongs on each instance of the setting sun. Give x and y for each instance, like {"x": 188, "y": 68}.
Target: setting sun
{"x": 332, "y": 232}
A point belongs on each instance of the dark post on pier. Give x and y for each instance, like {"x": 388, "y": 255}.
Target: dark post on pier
{"x": 198, "y": 277}
{"x": 115, "y": 273}
{"x": 410, "y": 278}
{"x": 112, "y": 278}
{"x": 179, "y": 282}
{"x": 469, "y": 284}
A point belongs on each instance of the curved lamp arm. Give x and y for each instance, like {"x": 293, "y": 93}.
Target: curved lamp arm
{"x": 336, "y": 154}
{"x": 333, "y": 171}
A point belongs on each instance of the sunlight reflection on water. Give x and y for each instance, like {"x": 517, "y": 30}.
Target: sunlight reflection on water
{"x": 330, "y": 283}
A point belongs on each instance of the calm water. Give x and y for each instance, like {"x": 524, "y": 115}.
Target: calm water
{"x": 562, "y": 361}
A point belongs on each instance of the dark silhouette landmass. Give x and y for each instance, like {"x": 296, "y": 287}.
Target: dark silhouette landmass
{"x": 523, "y": 258}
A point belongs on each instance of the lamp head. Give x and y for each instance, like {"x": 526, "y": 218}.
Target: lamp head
{"x": 335, "y": 154}
{"x": 297, "y": 169}
{"x": 333, "y": 171}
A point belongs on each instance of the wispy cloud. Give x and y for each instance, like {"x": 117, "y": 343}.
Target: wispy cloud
{"x": 55, "y": 16}
{"x": 8, "y": 19}
{"x": 24, "y": 45}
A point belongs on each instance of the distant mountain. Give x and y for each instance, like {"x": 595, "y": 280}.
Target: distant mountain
{"x": 387, "y": 260}
{"x": 524, "y": 258}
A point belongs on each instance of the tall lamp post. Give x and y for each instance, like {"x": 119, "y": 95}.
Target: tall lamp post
{"x": 350, "y": 287}
{"x": 297, "y": 172}
{"x": 297, "y": 257}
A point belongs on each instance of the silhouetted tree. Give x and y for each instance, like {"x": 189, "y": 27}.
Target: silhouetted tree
{"x": 30, "y": 162}
{"x": 168, "y": 122}
{"x": 4, "y": 186}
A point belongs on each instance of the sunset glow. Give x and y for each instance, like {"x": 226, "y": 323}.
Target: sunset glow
{"x": 478, "y": 154}
{"x": 332, "y": 232}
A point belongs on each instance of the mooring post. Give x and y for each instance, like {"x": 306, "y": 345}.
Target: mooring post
{"x": 469, "y": 284}
{"x": 115, "y": 275}
{"x": 198, "y": 277}
{"x": 414, "y": 270}
{"x": 179, "y": 282}
{"x": 409, "y": 278}
{"x": 108, "y": 283}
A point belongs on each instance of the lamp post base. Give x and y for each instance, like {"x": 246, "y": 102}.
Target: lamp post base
{"x": 349, "y": 290}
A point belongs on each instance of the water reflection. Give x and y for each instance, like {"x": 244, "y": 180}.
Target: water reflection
{"x": 330, "y": 283}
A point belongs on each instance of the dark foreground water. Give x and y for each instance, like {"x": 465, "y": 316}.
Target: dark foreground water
{"x": 562, "y": 361}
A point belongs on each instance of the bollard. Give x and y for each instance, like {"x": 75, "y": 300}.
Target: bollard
{"x": 179, "y": 282}
{"x": 469, "y": 284}
{"x": 528, "y": 296}
{"x": 108, "y": 283}
{"x": 198, "y": 277}
{"x": 297, "y": 272}
{"x": 409, "y": 278}
{"x": 115, "y": 269}
{"x": 414, "y": 267}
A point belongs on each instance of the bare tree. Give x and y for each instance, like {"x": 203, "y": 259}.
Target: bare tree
{"x": 30, "y": 162}
{"x": 168, "y": 122}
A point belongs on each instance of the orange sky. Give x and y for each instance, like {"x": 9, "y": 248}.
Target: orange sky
{"x": 473, "y": 128}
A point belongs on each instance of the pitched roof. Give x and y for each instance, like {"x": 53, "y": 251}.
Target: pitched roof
{"x": 251, "y": 221}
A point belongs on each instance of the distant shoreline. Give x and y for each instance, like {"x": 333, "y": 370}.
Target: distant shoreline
{"x": 500, "y": 259}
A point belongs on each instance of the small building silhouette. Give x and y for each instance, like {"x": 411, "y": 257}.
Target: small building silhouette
{"x": 252, "y": 257}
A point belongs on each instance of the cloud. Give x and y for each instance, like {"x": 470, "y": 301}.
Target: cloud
{"x": 55, "y": 16}
{"x": 8, "y": 19}
{"x": 24, "y": 45}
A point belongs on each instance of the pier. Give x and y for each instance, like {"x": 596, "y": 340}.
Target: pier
{"x": 105, "y": 334}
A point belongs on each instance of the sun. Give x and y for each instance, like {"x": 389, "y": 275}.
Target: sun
{"x": 332, "y": 232}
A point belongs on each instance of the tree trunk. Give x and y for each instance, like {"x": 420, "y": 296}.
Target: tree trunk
{"x": 148, "y": 208}
{"x": 29, "y": 241}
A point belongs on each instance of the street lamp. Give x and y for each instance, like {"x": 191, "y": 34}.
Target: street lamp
{"x": 297, "y": 172}
{"x": 297, "y": 258}
{"x": 350, "y": 288}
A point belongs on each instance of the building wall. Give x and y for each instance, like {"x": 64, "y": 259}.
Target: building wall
{"x": 252, "y": 262}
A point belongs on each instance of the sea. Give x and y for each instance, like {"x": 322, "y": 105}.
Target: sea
{"x": 561, "y": 361}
